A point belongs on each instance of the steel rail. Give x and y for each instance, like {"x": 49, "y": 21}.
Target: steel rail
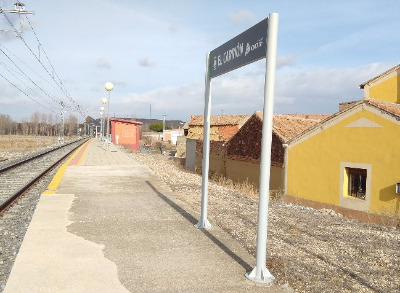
{"x": 19, "y": 163}
{"x": 8, "y": 202}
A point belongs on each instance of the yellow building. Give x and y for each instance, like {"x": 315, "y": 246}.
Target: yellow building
{"x": 350, "y": 162}
{"x": 385, "y": 86}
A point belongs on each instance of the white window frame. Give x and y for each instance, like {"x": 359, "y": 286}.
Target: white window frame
{"x": 351, "y": 202}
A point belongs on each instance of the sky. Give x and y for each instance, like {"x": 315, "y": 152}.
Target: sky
{"x": 154, "y": 52}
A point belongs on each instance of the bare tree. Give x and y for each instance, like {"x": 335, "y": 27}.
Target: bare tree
{"x": 5, "y": 124}
{"x": 35, "y": 123}
{"x": 43, "y": 124}
{"x": 71, "y": 125}
{"x": 50, "y": 128}
{"x": 25, "y": 127}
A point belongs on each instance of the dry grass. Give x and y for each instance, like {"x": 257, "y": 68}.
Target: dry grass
{"x": 14, "y": 146}
{"x": 23, "y": 143}
{"x": 244, "y": 187}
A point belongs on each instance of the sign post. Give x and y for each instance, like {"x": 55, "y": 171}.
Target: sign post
{"x": 203, "y": 222}
{"x": 256, "y": 43}
{"x": 260, "y": 273}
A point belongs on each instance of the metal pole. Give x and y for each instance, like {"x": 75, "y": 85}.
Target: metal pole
{"x": 104, "y": 118}
{"x": 203, "y": 222}
{"x": 101, "y": 126}
{"x": 108, "y": 120}
{"x": 163, "y": 127}
{"x": 260, "y": 273}
{"x": 62, "y": 117}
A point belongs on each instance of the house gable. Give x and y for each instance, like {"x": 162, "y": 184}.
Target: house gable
{"x": 385, "y": 86}
{"x": 363, "y": 123}
{"x": 321, "y": 160}
{"x": 369, "y": 106}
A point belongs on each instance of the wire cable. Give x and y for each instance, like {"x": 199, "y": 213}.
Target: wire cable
{"x": 26, "y": 94}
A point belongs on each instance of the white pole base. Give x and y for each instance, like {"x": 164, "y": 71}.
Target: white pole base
{"x": 203, "y": 224}
{"x": 260, "y": 275}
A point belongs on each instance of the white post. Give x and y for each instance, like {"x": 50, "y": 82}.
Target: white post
{"x": 260, "y": 273}
{"x": 108, "y": 121}
{"x": 203, "y": 222}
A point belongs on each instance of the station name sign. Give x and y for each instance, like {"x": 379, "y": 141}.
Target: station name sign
{"x": 243, "y": 49}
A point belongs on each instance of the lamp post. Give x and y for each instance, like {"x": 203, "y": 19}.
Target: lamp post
{"x": 104, "y": 101}
{"x": 101, "y": 124}
{"x": 109, "y": 87}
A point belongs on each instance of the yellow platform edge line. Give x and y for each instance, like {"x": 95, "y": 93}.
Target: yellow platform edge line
{"x": 84, "y": 152}
{"x": 55, "y": 182}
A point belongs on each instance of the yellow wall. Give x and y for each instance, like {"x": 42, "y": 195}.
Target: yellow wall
{"x": 242, "y": 170}
{"x": 216, "y": 163}
{"x": 387, "y": 90}
{"x": 314, "y": 163}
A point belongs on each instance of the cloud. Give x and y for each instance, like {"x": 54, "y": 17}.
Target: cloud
{"x": 173, "y": 28}
{"x": 243, "y": 17}
{"x": 146, "y": 62}
{"x": 296, "y": 91}
{"x": 321, "y": 90}
{"x": 285, "y": 61}
{"x": 103, "y": 63}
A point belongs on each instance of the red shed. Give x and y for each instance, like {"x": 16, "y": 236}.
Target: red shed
{"x": 125, "y": 132}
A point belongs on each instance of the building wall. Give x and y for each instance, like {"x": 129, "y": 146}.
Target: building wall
{"x": 235, "y": 169}
{"x": 245, "y": 170}
{"x": 360, "y": 139}
{"x": 181, "y": 147}
{"x": 128, "y": 134}
{"x": 246, "y": 144}
{"x": 190, "y": 154}
{"x": 217, "y": 133}
{"x": 217, "y": 157}
{"x": 386, "y": 89}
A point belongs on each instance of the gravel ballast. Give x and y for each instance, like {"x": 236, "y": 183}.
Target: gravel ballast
{"x": 311, "y": 250}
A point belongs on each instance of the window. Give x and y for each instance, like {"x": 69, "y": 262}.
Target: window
{"x": 357, "y": 182}
{"x": 355, "y": 186}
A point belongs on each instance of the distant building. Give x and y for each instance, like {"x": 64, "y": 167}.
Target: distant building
{"x": 125, "y": 132}
{"x": 222, "y": 127}
{"x": 243, "y": 150}
{"x": 171, "y": 135}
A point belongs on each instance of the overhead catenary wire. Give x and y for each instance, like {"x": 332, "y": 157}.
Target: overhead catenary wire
{"x": 40, "y": 104}
{"x": 59, "y": 83}
{"x": 40, "y": 46}
{"x": 23, "y": 73}
{"x": 31, "y": 69}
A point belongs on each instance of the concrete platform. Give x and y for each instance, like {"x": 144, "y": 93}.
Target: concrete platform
{"x": 108, "y": 224}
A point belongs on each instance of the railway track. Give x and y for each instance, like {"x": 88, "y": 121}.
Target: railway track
{"x": 19, "y": 176}
{"x": 22, "y": 182}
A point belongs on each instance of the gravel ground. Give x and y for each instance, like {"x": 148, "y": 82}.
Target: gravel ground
{"x": 311, "y": 250}
{"x": 15, "y": 221}
{"x": 13, "y": 225}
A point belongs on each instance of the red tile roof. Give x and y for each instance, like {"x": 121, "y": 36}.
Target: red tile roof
{"x": 198, "y": 120}
{"x": 287, "y": 126}
{"x": 392, "y": 108}
{"x": 387, "y": 107}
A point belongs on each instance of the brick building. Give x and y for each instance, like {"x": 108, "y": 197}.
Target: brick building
{"x": 243, "y": 151}
{"x": 125, "y": 132}
{"x": 222, "y": 127}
